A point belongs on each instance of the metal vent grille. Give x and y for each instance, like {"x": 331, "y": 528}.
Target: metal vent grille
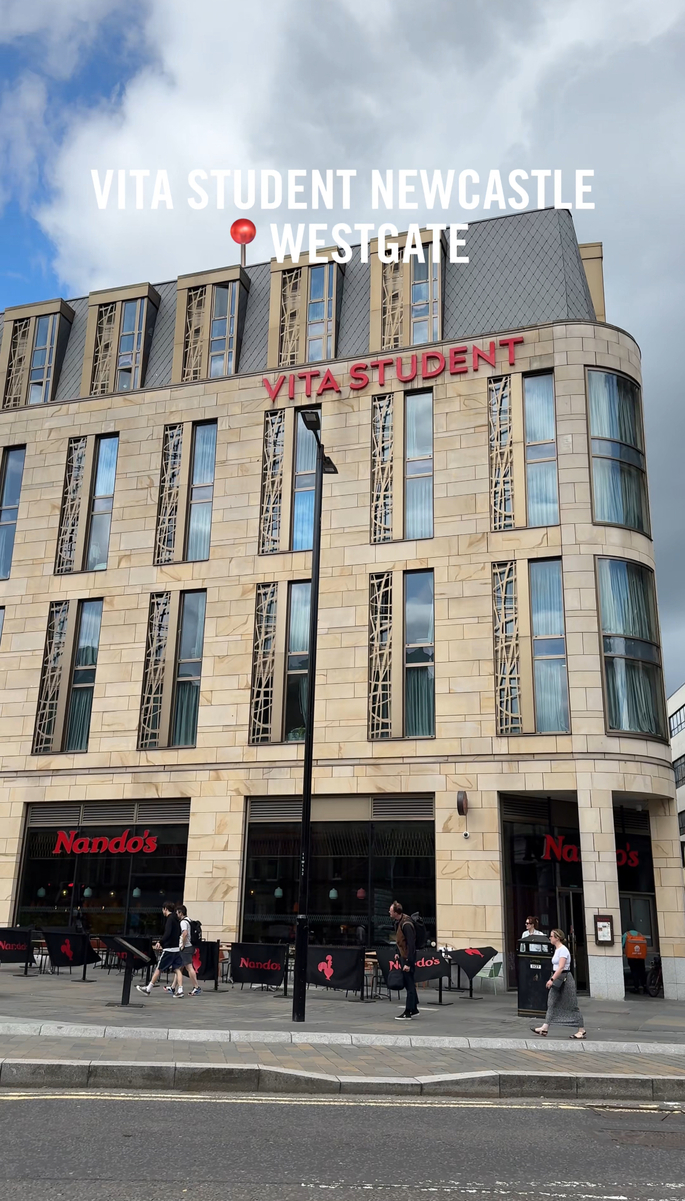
{"x": 163, "y": 811}
{"x": 276, "y": 809}
{"x": 631, "y": 821}
{"x": 54, "y": 815}
{"x": 109, "y": 813}
{"x": 393, "y": 808}
{"x": 104, "y": 814}
{"x": 525, "y": 809}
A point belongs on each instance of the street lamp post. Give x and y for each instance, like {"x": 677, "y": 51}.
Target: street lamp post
{"x": 324, "y": 466}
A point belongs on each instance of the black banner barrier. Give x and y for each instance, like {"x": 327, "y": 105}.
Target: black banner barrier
{"x": 336, "y": 967}
{"x": 471, "y": 960}
{"x": 258, "y": 963}
{"x": 15, "y": 945}
{"x": 69, "y": 950}
{"x": 206, "y": 962}
{"x": 131, "y": 956}
{"x": 430, "y": 965}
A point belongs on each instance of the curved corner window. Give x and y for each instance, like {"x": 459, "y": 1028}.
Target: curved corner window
{"x": 619, "y": 481}
{"x": 630, "y": 644}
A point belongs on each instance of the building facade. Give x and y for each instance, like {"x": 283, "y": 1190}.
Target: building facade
{"x": 675, "y": 706}
{"x": 490, "y": 730}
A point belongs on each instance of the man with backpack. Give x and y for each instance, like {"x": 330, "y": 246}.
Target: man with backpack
{"x": 405, "y": 936}
{"x": 170, "y": 957}
{"x": 191, "y": 935}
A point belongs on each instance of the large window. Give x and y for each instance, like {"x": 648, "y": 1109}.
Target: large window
{"x": 296, "y": 682}
{"x": 630, "y": 642}
{"x": 303, "y": 486}
{"x": 11, "y": 473}
{"x": 130, "y": 356}
{"x": 619, "y": 481}
{"x": 101, "y": 503}
{"x": 188, "y": 669}
{"x": 186, "y": 492}
{"x": 223, "y": 330}
{"x": 80, "y": 701}
{"x": 425, "y": 298}
{"x": 677, "y": 721}
{"x": 201, "y": 491}
{"x": 679, "y": 770}
{"x": 419, "y": 673}
{"x": 321, "y": 313}
{"x": 418, "y": 517}
{"x": 42, "y": 359}
{"x": 67, "y": 681}
{"x": 549, "y": 647}
{"x": 172, "y": 671}
{"x": 357, "y": 869}
{"x": 541, "y": 450}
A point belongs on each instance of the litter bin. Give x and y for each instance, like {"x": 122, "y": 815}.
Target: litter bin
{"x": 534, "y": 968}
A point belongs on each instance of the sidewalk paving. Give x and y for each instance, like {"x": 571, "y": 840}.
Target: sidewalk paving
{"x": 50, "y": 1022}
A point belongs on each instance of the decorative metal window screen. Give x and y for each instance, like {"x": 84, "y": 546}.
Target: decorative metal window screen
{"x": 192, "y": 342}
{"x": 169, "y": 489}
{"x": 380, "y": 654}
{"x": 103, "y": 357}
{"x": 381, "y": 468}
{"x": 507, "y": 665}
{"x": 263, "y": 663}
{"x": 153, "y": 671}
{"x": 289, "y": 325}
{"x": 51, "y": 677}
{"x": 392, "y": 306}
{"x": 65, "y": 560}
{"x": 272, "y": 483}
{"x": 501, "y": 454}
{"x": 18, "y": 365}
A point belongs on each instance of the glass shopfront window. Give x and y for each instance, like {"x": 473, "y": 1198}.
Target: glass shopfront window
{"x": 115, "y": 877}
{"x": 357, "y": 869}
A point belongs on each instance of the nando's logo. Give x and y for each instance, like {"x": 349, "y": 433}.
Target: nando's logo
{"x": 73, "y": 843}
{"x": 570, "y": 853}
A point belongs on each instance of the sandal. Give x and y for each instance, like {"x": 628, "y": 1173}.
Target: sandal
{"x": 543, "y": 1033}
{"x": 577, "y": 1037}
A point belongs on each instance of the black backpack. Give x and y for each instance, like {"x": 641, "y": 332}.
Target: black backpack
{"x": 421, "y": 933}
{"x": 195, "y": 933}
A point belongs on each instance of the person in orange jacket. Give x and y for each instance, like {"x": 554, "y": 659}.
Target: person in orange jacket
{"x": 635, "y": 950}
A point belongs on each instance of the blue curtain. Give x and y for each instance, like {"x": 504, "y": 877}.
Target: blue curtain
{"x": 546, "y": 599}
{"x": 199, "y": 530}
{"x": 78, "y": 725}
{"x": 419, "y": 425}
{"x": 614, "y": 408}
{"x": 543, "y": 501}
{"x": 205, "y": 454}
{"x": 539, "y": 407}
{"x": 186, "y": 710}
{"x": 619, "y": 493}
{"x": 89, "y": 634}
{"x": 418, "y": 516}
{"x": 635, "y": 696}
{"x": 303, "y": 520}
{"x": 7, "y": 532}
{"x": 627, "y": 600}
{"x": 98, "y": 541}
{"x": 551, "y": 696}
{"x": 107, "y": 466}
{"x": 298, "y": 636}
{"x": 192, "y": 625}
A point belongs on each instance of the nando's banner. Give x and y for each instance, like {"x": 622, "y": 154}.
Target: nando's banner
{"x": 336, "y": 967}
{"x": 430, "y": 964}
{"x": 15, "y": 945}
{"x": 257, "y": 963}
{"x": 68, "y": 949}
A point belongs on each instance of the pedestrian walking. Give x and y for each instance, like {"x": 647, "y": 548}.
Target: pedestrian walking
{"x": 405, "y": 936}
{"x": 170, "y": 956}
{"x": 187, "y": 951}
{"x": 562, "y": 1002}
{"x": 635, "y": 951}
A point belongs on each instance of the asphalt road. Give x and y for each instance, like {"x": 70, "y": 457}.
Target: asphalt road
{"x": 105, "y": 1147}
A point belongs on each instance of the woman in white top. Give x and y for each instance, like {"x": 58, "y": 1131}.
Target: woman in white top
{"x": 531, "y": 930}
{"x": 562, "y": 1003}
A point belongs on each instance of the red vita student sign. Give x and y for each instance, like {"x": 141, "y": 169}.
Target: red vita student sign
{"x": 457, "y": 360}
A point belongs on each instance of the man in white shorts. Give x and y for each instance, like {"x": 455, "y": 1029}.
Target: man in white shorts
{"x": 187, "y": 950}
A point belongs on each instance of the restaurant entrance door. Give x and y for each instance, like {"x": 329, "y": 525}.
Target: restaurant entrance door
{"x": 571, "y": 919}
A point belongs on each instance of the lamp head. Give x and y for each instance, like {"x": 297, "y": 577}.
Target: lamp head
{"x": 329, "y": 467}
{"x": 311, "y": 420}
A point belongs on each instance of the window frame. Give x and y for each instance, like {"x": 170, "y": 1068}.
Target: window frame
{"x": 190, "y": 487}
{"x": 70, "y": 684}
{"x": 4, "y": 460}
{"x": 611, "y": 733}
{"x": 141, "y": 293}
{"x": 596, "y": 520}
{"x": 183, "y": 500}
{"x": 406, "y": 647}
{"x": 680, "y": 727}
{"x": 66, "y": 670}
{"x": 85, "y": 504}
{"x": 295, "y": 473}
{"x": 555, "y": 458}
{"x": 170, "y": 661}
{"x": 287, "y": 673}
{"x": 61, "y": 316}
{"x": 407, "y": 396}
{"x": 538, "y": 637}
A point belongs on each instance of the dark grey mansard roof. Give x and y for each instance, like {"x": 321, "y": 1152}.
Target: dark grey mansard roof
{"x": 525, "y": 269}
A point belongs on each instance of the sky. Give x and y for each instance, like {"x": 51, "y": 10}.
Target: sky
{"x": 128, "y": 84}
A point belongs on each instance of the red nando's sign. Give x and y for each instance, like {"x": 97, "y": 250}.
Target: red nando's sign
{"x": 73, "y": 843}
{"x": 570, "y": 853}
{"x": 457, "y": 360}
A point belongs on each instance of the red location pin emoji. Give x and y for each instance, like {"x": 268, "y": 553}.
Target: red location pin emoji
{"x": 243, "y": 231}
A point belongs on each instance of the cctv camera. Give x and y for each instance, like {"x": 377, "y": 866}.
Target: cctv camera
{"x": 466, "y": 834}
